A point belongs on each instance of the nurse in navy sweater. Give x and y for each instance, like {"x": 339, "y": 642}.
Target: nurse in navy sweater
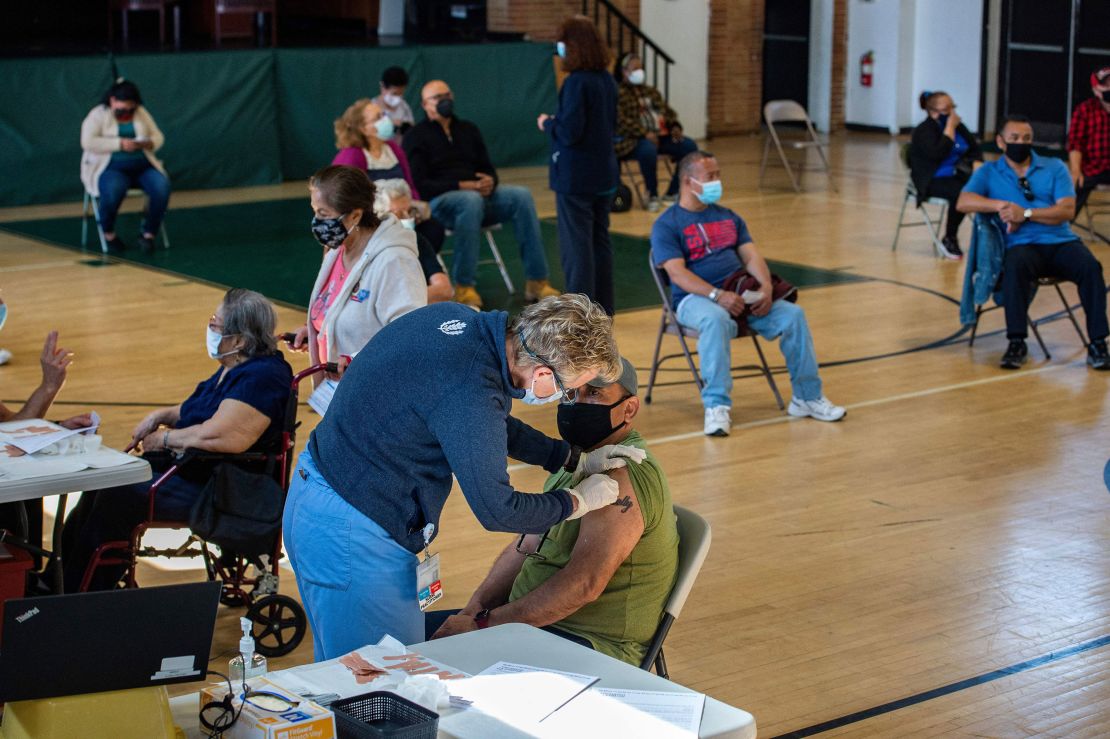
{"x": 583, "y": 170}
{"x": 429, "y": 397}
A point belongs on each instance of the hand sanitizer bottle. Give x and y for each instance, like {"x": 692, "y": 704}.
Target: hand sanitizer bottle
{"x": 247, "y": 663}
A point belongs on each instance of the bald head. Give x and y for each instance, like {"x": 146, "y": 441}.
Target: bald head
{"x": 431, "y": 94}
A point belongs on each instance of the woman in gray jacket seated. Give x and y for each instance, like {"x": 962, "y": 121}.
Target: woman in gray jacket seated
{"x": 370, "y": 275}
{"x": 119, "y": 138}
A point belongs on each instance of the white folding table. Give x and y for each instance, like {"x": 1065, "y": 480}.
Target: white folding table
{"x": 476, "y": 650}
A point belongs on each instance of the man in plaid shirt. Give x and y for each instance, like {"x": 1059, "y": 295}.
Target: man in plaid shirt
{"x": 1089, "y": 140}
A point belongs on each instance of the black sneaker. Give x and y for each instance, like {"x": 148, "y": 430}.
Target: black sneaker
{"x": 1097, "y": 356}
{"x": 116, "y": 245}
{"x": 1016, "y": 354}
{"x": 950, "y": 249}
{"x": 146, "y": 244}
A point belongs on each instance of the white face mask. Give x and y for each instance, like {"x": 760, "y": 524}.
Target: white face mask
{"x": 391, "y": 100}
{"x": 531, "y": 399}
{"x": 212, "y": 341}
{"x": 636, "y": 77}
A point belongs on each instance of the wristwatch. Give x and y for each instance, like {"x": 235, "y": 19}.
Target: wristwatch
{"x": 482, "y": 618}
{"x": 1028, "y": 213}
{"x": 713, "y": 294}
{"x": 572, "y": 459}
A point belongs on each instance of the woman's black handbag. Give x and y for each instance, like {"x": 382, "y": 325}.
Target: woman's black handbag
{"x": 622, "y": 198}
{"x": 238, "y": 511}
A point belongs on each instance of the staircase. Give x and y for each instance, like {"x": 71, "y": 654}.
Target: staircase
{"x": 623, "y": 36}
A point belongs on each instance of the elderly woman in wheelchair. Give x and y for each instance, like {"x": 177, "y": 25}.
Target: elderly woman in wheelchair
{"x": 240, "y": 408}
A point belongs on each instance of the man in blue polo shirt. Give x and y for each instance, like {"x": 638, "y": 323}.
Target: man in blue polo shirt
{"x": 1035, "y": 198}
{"x": 700, "y": 245}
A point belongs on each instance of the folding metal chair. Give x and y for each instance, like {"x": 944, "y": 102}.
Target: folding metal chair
{"x": 668, "y": 324}
{"x": 934, "y": 226}
{"x": 1033, "y": 324}
{"x": 694, "y": 537}
{"x": 630, "y": 171}
{"x": 1093, "y": 208}
{"x": 94, "y": 202}
{"x": 488, "y": 232}
{"x": 788, "y": 111}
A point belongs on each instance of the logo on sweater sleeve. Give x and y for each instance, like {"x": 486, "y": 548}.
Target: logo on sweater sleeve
{"x": 452, "y": 328}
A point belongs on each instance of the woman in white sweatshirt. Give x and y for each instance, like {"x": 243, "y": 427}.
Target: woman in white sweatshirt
{"x": 119, "y": 138}
{"x": 370, "y": 275}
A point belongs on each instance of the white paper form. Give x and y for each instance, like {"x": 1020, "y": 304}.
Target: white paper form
{"x": 32, "y": 435}
{"x": 520, "y": 695}
{"x": 608, "y": 712}
{"x": 322, "y": 395}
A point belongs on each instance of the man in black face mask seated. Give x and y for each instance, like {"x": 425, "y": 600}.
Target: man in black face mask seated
{"x": 453, "y": 172}
{"x": 1035, "y": 198}
{"x": 601, "y": 580}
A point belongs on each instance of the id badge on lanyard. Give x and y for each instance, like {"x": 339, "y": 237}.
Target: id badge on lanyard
{"x": 429, "y": 588}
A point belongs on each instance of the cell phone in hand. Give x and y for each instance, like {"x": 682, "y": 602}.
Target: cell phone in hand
{"x": 289, "y": 337}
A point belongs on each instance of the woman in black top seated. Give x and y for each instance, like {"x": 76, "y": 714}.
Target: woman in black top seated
{"x": 943, "y": 154}
{"x": 239, "y": 408}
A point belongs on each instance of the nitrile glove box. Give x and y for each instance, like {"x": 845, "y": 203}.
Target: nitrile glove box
{"x": 306, "y": 720}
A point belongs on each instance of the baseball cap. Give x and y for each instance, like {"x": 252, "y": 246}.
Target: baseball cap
{"x": 627, "y": 380}
{"x": 1100, "y": 78}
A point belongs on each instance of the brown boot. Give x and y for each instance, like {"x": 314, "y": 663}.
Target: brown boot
{"x": 538, "y": 290}
{"x": 467, "y": 295}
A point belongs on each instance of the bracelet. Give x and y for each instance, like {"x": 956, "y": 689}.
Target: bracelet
{"x": 166, "y": 439}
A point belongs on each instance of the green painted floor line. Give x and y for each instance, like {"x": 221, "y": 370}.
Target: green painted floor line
{"x": 267, "y": 246}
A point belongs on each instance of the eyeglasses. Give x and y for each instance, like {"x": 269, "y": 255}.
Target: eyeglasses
{"x": 532, "y": 555}
{"x": 1026, "y": 190}
{"x": 565, "y": 398}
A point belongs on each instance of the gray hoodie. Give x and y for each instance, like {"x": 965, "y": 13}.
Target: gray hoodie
{"x": 383, "y": 285}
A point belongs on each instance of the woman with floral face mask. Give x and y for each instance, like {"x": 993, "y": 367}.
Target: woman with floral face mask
{"x": 119, "y": 138}
{"x": 370, "y": 274}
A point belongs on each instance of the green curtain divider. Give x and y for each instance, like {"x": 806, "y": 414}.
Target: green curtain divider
{"x": 44, "y": 102}
{"x": 235, "y": 118}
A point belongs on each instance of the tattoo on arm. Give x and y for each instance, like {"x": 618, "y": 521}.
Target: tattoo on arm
{"x": 625, "y": 503}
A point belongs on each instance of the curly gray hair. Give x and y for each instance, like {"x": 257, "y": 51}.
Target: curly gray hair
{"x": 569, "y": 333}
{"x": 387, "y": 190}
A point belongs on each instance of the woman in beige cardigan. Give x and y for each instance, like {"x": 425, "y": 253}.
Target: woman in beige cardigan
{"x": 119, "y": 138}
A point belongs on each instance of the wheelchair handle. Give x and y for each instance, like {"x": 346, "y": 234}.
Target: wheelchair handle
{"x": 329, "y": 367}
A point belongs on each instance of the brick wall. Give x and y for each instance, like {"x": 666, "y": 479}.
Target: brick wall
{"x": 735, "y": 66}
{"x": 839, "y": 64}
{"x": 539, "y": 19}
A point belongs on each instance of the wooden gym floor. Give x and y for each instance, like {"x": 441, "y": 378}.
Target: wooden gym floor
{"x": 873, "y": 577}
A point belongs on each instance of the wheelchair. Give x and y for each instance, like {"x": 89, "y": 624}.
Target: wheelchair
{"x": 279, "y": 620}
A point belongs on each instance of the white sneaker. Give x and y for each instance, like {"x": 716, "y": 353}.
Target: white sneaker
{"x": 5, "y": 356}
{"x": 821, "y": 409}
{"x": 717, "y": 421}
{"x": 653, "y": 205}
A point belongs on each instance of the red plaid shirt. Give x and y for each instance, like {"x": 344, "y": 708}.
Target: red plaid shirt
{"x": 1090, "y": 135}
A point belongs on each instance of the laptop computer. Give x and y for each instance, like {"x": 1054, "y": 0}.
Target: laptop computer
{"x": 60, "y": 645}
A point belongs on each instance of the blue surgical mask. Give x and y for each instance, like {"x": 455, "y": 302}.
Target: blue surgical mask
{"x": 561, "y": 49}
{"x": 531, "y": 399}
{"x": 212, "y": 341}
{"x": 710, "y": 192}
{"x": 636, "y": 77}
{"x": 384, "y": 128}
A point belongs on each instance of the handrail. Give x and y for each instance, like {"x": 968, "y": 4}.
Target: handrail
{"x": 636, "y": 38}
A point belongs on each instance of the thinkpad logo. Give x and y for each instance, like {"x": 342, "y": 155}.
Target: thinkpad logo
{"x": 452, "y": 328}
{"x": 27, "y": 615}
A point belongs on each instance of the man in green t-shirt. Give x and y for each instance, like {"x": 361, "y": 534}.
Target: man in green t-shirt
{"x": 601, "y": 580}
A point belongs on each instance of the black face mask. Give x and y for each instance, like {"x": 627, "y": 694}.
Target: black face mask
{"x": 445, "y": 108}
{"x": 1101, "y": 95}
{"x": 1018, "y": 153}
{"x": 586, "y": 425}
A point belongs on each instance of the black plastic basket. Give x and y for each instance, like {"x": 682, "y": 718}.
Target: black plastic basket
{"x": 383, "y": 714}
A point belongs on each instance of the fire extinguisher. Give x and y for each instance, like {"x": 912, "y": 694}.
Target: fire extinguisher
{"x": 866, "y": 68}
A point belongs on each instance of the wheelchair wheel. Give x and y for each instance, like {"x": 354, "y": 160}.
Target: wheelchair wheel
{"x": 279, "y": 624}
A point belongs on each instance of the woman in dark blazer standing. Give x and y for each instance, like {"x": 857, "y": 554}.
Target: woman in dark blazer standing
{"x": 583, "y": 170}
{"x": 943, "y": 154}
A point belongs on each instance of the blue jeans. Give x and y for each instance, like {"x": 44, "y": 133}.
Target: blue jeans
{"x": 716, "y": 330}
{"x": 584, "y": 247}
{"x": 114, "y": 183}
{"x": 357, "y": 584}
{"x": 465, "y": 212}
{"x": 647, "y": 154}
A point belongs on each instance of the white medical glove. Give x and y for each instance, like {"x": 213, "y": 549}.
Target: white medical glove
{"x": 596, "y": 491}
{"x": 606, "y": 458}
